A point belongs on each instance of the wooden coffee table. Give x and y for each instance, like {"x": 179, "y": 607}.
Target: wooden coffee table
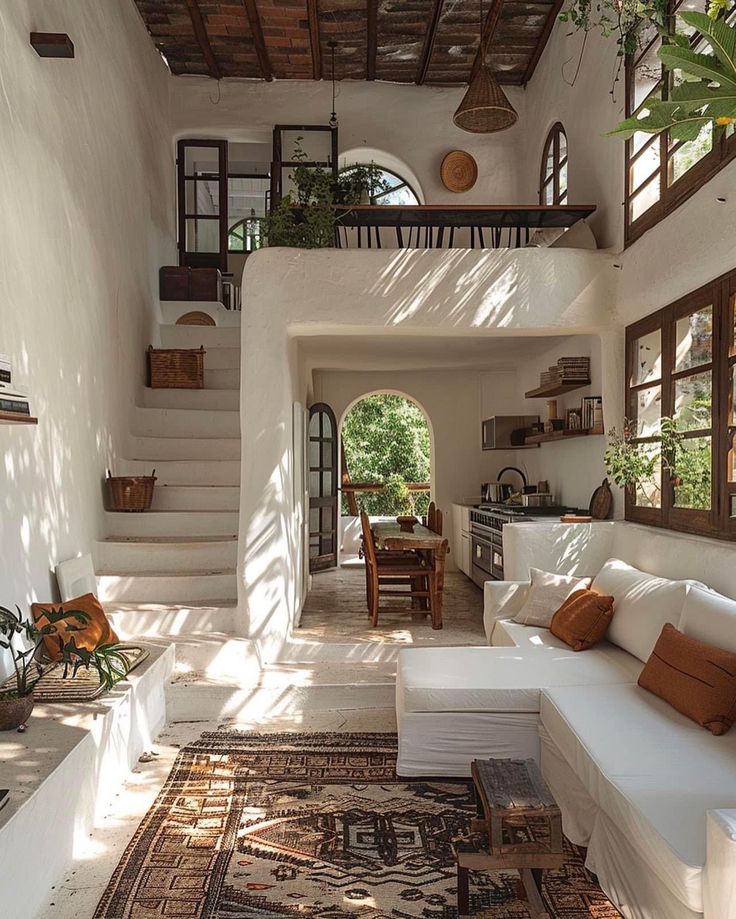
{"x": 510, "y": 793}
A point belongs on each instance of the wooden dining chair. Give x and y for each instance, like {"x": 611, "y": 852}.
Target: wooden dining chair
{"x": 383, "y": 579}
{"x": 436, "y": 525}
{"x": 431, "y": 515}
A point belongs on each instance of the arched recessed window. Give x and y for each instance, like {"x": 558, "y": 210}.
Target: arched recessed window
{"x": 553, "y": 180}
{"x": 394, "y": 189}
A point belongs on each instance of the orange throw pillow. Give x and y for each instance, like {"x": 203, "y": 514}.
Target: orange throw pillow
{"x": 91, "y": 634}
{"x": 583, "y": 619}
{"x": 697, "y": 679}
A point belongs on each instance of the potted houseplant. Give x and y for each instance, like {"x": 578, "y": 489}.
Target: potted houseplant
{"x": 307, "y": 217}
{"x": 22, "y": 639}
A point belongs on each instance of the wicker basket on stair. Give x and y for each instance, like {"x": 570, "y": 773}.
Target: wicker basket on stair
{"x": 176, "y": 368}
{"x": 130, "y": 492}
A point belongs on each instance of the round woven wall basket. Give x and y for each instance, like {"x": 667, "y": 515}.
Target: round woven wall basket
{"x": 459, "y": 171}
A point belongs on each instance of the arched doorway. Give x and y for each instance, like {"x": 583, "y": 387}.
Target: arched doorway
{"x": 386, "y": 459}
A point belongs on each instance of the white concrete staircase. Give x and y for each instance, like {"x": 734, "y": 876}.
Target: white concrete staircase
{"x": 169, "y": 574}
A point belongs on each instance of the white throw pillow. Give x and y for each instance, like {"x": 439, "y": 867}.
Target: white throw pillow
{"x": 642, "y": 605}
{"x": 546, "y": 595}
{"x": 710, "y": 617}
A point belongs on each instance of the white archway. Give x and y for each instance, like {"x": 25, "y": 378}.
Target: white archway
{"x": 349, "y": 527}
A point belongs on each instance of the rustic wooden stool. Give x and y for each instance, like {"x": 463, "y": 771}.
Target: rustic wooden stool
{"x": 510, "y": 792}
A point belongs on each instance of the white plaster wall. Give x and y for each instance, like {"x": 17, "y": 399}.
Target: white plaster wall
{"x": 86, "y": 218}
{"x": 451, "y": 400}
{"x": 297, "y": 293}
{"x": 410, "y": 123}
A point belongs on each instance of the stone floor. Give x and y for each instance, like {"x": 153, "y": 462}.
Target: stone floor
{"x": 336, "y": 611}
{"x": 336, "y": 638}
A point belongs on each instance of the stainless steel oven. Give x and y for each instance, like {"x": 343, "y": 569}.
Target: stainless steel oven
{"x": 486, "y": 533}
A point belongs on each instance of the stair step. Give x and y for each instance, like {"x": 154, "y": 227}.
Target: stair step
{"x": 167, "y": 586}
{"x": 184, "y": 448}
{"x": 192, "y": 336}
{"x": 168, "y": 620}
{"x": 171, "y": 523}
{"x": 185, "y": 472}
{"x": 213, "y": 400}
{"x": 199, "y": 698}
{"x": 173, "y": 422}
{"x": 222, "y": 359}
{"x": 222, "y": 379}
{"x": 196, "y": 498}
{"x": 217, "y": 656}
{"x": 172, "y": 310}
{"x": 129, "y": 556}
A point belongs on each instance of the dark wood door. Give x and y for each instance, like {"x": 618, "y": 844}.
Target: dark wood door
{"x": 202, "y": 196}
{"x": 323, "y": 493}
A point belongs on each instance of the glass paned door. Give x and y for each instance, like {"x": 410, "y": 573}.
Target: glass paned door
{"x": 202, "y": 195}
{"x": 323, "y": 496}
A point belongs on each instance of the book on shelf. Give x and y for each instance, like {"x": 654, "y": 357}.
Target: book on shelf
{"x": 6, "y": 370}
{"x": 13, "y": 400}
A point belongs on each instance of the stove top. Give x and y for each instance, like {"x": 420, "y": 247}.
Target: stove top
{"x": 517, "y": 510}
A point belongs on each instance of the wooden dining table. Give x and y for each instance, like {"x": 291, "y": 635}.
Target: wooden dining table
{"x": 389, "y": 535}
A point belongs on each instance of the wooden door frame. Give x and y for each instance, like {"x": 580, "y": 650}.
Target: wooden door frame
{"x": 208, "y": 259}
{"x": 324, "y": 559}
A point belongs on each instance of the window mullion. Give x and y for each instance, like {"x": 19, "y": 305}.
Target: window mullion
{"x": 668, "y": 399}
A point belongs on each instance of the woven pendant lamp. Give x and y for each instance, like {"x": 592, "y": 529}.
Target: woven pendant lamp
{"x": 484, "y": 108}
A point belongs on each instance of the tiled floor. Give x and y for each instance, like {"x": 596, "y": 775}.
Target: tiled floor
{"x": 336, "y": 611}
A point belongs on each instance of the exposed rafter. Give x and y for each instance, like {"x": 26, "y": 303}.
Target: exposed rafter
{"x": 200, "y": 33}
{"x": 313, "y": 15}
{"x": 542, "y": 42}
{"x": 489, "y": 30}
{"x": 258, "y": 40}
{"x": 372, "y": 42}
{"x": 426, "y": 55}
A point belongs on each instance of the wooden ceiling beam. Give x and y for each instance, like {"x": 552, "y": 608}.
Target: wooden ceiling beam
{"x": 429, "y": 39}
{"x": 372, "y": 43}
{"x": 314, "y": 40}
{"x": 543, "y": 39}
{"x": 258, "y": 40}
{"x": 489, "y": 30}
{"x": 200, "y": 33}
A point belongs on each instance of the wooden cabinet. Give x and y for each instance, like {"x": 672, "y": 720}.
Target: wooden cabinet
{"x": 461, "y": 537}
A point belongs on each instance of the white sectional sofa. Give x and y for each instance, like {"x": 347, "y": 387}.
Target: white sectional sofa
{"x": 651, "y": 794}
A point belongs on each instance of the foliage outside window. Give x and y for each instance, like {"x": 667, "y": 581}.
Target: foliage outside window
{"x": 679, "y": 393}
{"x": 663, "y": 170}
{"x": 389, "y": 187}
{"x": 386, "y": 441}
{"x": 553, "y": 178}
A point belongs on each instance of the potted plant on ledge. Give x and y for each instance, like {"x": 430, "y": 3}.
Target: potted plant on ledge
{"x": 22, "y": 639}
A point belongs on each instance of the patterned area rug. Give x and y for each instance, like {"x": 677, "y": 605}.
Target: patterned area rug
{"x": 316, "y": 826}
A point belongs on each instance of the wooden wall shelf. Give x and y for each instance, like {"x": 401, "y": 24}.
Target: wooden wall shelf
{"x": 16, "y": 418}
{"x": 558, "y": 436}
{"x": 555, "y": 389}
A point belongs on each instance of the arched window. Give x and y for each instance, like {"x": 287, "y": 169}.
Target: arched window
{"x": 394, "y": 189}
{"x": 553, "y": 180}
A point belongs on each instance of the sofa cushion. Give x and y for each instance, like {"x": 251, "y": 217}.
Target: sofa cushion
{"x": 88, "y": 634}
{"x": 583, "y": 619}
{"x": 644, "y": 603}
{"x": 507, "y": 633}
{"x": 695, "y": 678}
{"x": 710, "y": 617}
{"x": 653, "y": 772}
{"x": 548, "y": 591}
{"x": 500, "y": 679}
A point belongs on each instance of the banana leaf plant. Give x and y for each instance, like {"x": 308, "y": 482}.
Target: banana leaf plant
{"x": 705, "y": 92}
{"x": 23, "y": 639}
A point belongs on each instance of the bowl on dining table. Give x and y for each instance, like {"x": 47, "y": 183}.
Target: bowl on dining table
{"x": 407, "y": 522}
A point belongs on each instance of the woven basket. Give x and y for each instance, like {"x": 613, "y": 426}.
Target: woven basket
{"x": 176, "y": 368}
{"x": 130, "y": 492}
{"x": 485, "y": 108}
{"x": 459, "y": 171}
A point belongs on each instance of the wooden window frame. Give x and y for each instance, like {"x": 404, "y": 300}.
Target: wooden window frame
{"x": 716, "y": 522}
{"x": 671, "y": 196}
{"x": 552, "y": 143}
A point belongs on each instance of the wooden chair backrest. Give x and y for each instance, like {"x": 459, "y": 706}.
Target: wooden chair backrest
{"x": 436, "y": 525}
{"x": 369, "y": 547}
{"x": 431, "y": 515}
